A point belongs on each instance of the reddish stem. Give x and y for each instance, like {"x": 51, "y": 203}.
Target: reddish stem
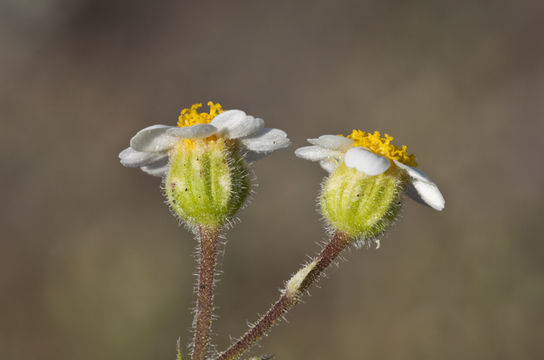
{"x": 286, "y": 301}
{"x": 204, "y": 306}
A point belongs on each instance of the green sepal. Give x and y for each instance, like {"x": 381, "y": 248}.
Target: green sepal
{"x": 359, "y": 205}
{"x": 207, "y": 182}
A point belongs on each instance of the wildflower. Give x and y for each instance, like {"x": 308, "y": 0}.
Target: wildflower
{"x": 149, "y": 148}
{"x": 368, "y": 176}
{"x": 203, "y": 160}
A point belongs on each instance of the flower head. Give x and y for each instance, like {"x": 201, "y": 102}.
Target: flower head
{"x": 203, "y": 160}
{"x": 362, "y": 195}
{"x": 150, "y": 147}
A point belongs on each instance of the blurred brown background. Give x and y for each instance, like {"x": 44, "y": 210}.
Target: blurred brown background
{"x": 92, "y": 265}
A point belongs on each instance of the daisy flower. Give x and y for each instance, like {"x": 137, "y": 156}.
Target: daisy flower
{"x": 368, "y": 175}
{"x": 203, "y": 160}
{"x": 372, "y": 155}
{"x": 150, "y": 147}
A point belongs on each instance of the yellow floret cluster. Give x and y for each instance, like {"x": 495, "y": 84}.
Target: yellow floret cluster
{"x": 382, "y": 146}
{"x": 191, "y": 116}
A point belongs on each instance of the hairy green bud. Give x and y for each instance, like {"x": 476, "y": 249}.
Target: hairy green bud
{"x": 359, "y": 205}
{"x": 208, "y": 181}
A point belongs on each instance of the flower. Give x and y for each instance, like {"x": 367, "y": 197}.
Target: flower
{"x": 203, "y": 160}
{"x": 372, "y": 155}
{"x": 149, "y": 148}
{"x": 368, "y": 175}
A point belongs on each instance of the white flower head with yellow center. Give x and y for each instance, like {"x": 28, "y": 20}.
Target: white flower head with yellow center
{"x": 203, "y": 160}
{"x": 149, "y": 148}
{"x": 371, "y": 154}
{"x": 368, "y": 175}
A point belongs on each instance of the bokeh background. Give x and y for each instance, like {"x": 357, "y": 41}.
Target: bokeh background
{"x": 92, "y": 265}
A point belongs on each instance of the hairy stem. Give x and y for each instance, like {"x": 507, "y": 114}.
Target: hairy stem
{"x": 204, "y": 305}
{"x": 289, "y": 298}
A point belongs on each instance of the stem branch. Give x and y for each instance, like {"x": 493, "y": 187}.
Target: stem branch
{"x": 288, "y": 299}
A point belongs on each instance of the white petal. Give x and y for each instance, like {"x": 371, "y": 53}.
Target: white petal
{"x": 429, "y": 194}
{"x": 132, "y": 158}
{"x": 329, "y": 165}
{"x": 248, "y": 127}
{"x": 157, "y": 169}
{"x": 413, "y": 172}
{"x": 333, "y": 142}
{"x": 193, "y": 131}
{"x": 366, "y": 161}
{"x": 226, "y": 117}
{"x": 236, "y": 124}
{"x": 267, "y": 140}
{"x": 426, "y": 190}
{"x": 316, "y": 153}
{"x": 152, "y": 139}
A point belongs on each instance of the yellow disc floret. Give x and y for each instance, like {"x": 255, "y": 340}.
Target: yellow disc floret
{"x": 382, "y": 146}
{"x": 191, "y": 116}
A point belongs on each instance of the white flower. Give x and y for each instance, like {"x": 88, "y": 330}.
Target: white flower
{"x": 373, "y": 155}
{"x": 149, "y": 148}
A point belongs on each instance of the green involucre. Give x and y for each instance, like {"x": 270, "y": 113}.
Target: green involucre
{"x": 359, "y": 205}
{"x": 208, "y": 181}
